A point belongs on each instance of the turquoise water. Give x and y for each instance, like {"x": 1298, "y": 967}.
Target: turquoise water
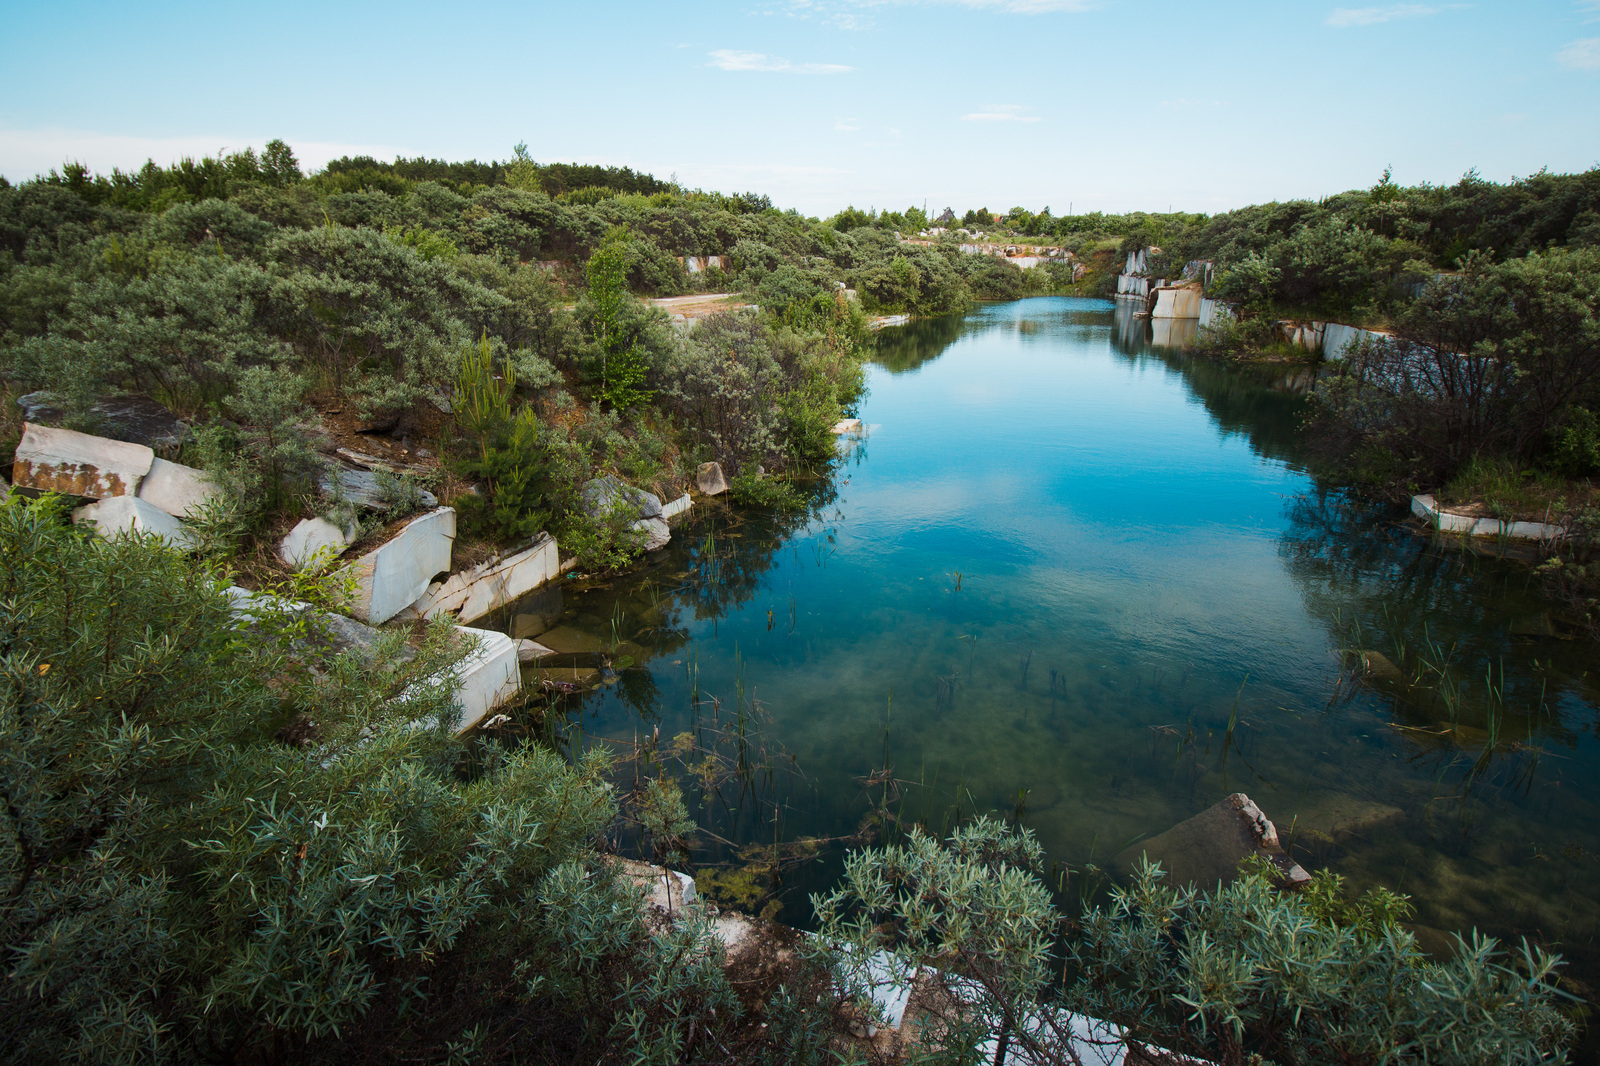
{"x": 1061, "y": 561}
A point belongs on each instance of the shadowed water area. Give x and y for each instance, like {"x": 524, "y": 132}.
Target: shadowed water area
{"x": 1074, "y": 577}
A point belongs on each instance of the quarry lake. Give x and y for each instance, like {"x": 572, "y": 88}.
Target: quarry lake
{"x": 1075, "y": 577}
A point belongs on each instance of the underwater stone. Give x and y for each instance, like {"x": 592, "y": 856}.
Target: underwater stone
{"x": 529, "y": 651}
{"x": 1207, "y": 849}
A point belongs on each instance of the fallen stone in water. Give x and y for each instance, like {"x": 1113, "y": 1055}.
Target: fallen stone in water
{"x": 394, "y": 575}
{"x": 487, "y": 587}
{"x": 676, "y": 507}
{"x": 79, "y": 464}
{"x": 530, "y": 652}
{"x": 1378, "y": 667}
{"x": 309, "y": 537}
{"x": 119, "y": 516}
{"x": 181, "y": 491}
{"x": 1206, "y": 850}
{"x": 710, "y": 479}
{"x": 847, "y": 425}
{"x": 1332, "y": 817}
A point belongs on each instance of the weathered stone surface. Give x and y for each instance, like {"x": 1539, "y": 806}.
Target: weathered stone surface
{"x": 346, "y": 634}
{"x": 360, "y": 487}
{"x": 140, "y": 420}
{"x": 179, "y": 490}
{"x": 847, "y": 425}
{"x": 674, "y": 508}
{"x": 473, "y": 593}
{"x": 396, "y": 574}
{"x": 119, "y": 515}
{"x": 78, "y": 464}
{"x": 487, "y": 678}
{"x": 1427, "y": 508}
{"x": 1177, "y": 301}
{"x": 656, "y": 533}
{"x": 603, "y": 495}
{"x": 531, "y": 652}
{"x": 1208, "y": 848}
{"x": 710, "y": 479}
{"x": 310, "y": 536}
{"x": 131, "y": 419}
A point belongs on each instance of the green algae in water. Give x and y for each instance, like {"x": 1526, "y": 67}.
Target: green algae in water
{"x": 1134, "y": 537}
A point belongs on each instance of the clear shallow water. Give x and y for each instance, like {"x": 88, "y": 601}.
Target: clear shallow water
{"x": 1062, "y": 560}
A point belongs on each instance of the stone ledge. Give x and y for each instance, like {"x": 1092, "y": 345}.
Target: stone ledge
{"x": 1427, "y": 508}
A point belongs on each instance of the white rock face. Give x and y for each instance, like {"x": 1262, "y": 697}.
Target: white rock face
{"x": 710, "y": 479}
{"x": 177, "y": 489}
{"x": 674, "y": 508}
{"x": 396, "y": 574}
{"x": 487, "y": 678}
{"x": 489, "y": 586}
{"x": 656, "y": 533}
{"x": 120, "y": 515}
{"x": 1427, "y": 509}
{"x": 79, "y": 464}
{"x": 310, "y": 537}
{"x": 1181, "y": 302}
{"x": 847, "y": 425}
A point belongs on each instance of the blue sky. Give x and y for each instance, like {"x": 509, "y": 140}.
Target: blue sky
{"x": 1112, "y": 105}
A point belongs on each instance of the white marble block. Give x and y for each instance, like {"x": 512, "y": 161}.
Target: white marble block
{"x": 177, "y": 489}
{"x": 396, "y": 574}
{"x": 489, "y": 586}
{"x": 79, "y": 464}
{"x": 120, "y": 515}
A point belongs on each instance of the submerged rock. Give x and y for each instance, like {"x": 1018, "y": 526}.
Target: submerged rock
{"x": 531, "y": 652}
{"x": 1206, "y": 850}
{"x": 1332, "y": 817}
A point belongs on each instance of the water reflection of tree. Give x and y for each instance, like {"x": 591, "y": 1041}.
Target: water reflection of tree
{"x": 729, "y": 555}
{"x": 1376, "y": 585}
{"x": 905, "y": 348}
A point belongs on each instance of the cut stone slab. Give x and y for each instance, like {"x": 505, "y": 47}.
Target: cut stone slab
{"x": 120, "y": 515}
{"x": 181, "y": 491}
{"x": 487, "y": 678}
{"x": 485, "y": 588}
{"x": 1427, "y": 508}
{"x": 657, "y": 534}
{"x": 1207, "y": 849}
{"x": 309, "y": 537}
{"x": 79, "y": 464}
{"x": 396, "y": 574}
{"x": 669, "y": 890}
{"x": 710, "y": 479}
{"x": 1332, "y": 817}
{"x": 676, "y": 507}
{"x": 531, "y": 652}
{"x": 360, "y": 487}
{"x": 604, "y": 495}
{"x": 847, "y": 425}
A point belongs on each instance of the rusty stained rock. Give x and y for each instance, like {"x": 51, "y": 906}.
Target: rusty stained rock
{"x": 78, "y": 464}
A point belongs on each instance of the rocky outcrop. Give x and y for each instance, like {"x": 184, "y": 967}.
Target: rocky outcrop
{"x": 79, "y": 464}
{"x": 483, "y": 589}
{"x": 394, "y": 575}
{"x": 119, "y": 516}
{"x": 361, "y": 488}
{"x": 606, "y": 495}
{"x": 131, "y": 419}
{"x": 710, "y": 480}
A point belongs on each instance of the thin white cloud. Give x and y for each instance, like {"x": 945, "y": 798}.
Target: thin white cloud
{"x": 730, "y": 59}
{"x": 25, "y": 154}
{"x": 845, "y": 14}
{"x": 1000, "y": 113}
{"x": 1590, "y": 8}
{"x": 846, "y": 125}
{"x": 1345, "y": 17}
{"x": 1582, "y": 54}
